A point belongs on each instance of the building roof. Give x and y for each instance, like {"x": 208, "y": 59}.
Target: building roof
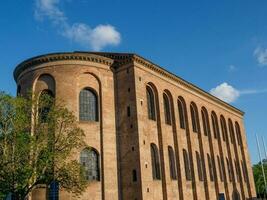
{"x": 116, "y": 59}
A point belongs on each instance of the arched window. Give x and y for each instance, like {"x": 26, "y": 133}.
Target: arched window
{"x": 220, "y": 168}
{"x": 231, "y": 130}
{"x": 18, "y": 90}
{"x": 181, "y": 110}
{"x": 229, "y": 170}
{"x": 167, "y": 110}
{"x": 215, "y": 126}
{"x": 235, "y": 195}
{"x": 238, "y": 175}
{"x": 155, "y": 162}
{"x": 223, "y": 127}
{"x": 194, "y": 117}
{"x": 210, "y": 168}
{"x": 150, "y": 103}
{"x": 187, "y": 166}
{"x": 172, "y": 163}
{"x": 244, "y": 169}
{"x": 89, "y": 159}
{"x": 205, "y": 121}
{"x": 45, "y": 102}
{"x": 88, "y": 105}
{"x": 238, "y": 133}
{"x": 199, "y": 166}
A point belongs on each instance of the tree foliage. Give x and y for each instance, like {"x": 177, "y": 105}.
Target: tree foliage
{"x": 259, "y": 179}
{"x": 38, "y": 138}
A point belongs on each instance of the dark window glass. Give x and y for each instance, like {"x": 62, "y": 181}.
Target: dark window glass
{"x": 187, "y": 166}
{"x": 223, "y": 127}
{"x": 150, "y": 103}
{"x": 134, "y": 175}
{"x": 172, "y": 163}
{"x": 194, "y": 117}
{"x": 167, "y": 111}
{"x": 89, "y": 160}
{"x": 205, "y": 121}
{"x": 210, "y": 168}
{"x": 238, "y": 134}
{"x": 199, "y": 166}
{"x": 155, "y": 162}
{"x": 181, "y": 110}
{"x": 18, "y": 90}
{"x": 88, "y": 105}
{"x": 128, "y": 111}
{"x": 215, "y": 125}
{"x": 46, "y": 101}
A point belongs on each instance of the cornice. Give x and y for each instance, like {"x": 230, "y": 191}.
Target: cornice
{"x": 61, "y": 57}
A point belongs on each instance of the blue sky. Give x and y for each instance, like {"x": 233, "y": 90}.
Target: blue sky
{"x": 221, "y": 46}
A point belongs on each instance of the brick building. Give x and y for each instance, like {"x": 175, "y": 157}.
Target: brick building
{"x": 153, "y": 135}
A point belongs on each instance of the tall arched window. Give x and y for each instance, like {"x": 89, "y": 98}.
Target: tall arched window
{"x": 238, "y": 174}
{"x": 46, "y": 101}
{"x": 187, "y": 166}
{"x": 150, "y": 103}
{"x": 205, "y": 121}
{"x": 167, "y": 109}
{"x": 181, "y": 110}
{"x": 88, "y": 105}
{"x": 199, "y": 166}
{"x": 155, "y": 162}
{"x": 210, "y": 168}
{"x": 238, "y": 133}
{"x": 244, "y": 170}
{"x": 223, "y": 127}
{"x": 89, "y": 159}
{"x": 220, "y": 168}
{"x": 229, "y": 170}
{"x": 231, "y": 130}
{"x": 172, "y": 163}
{"x": 194, "y": 117}
{"x": 215, "y": 125}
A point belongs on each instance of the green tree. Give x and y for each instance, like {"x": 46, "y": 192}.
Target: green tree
{"x": 37, "y": 140}
{"x": 259, "y": 180}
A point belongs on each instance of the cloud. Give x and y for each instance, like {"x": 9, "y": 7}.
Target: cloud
{"x": 94, "y": 38}
{"x": 230, "y": 94}
{"x": 225, "y": 92}
{"x": 261, "y": 56}
{"x": 232, "y": 68}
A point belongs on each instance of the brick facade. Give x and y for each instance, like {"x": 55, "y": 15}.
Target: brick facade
{"x": 124, "y": 133}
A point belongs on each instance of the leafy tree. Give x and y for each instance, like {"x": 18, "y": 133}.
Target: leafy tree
{"x": 259, "y": 180}
{"x": 37, "y": 140}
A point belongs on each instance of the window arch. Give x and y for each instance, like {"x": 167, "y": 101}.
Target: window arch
{"x": 150, "y": 103}
{"x": 231, "y": 130}
{"x": 45, "y": 102}
{"x": 210, "y": 168}
{"x": 205, "y": 121}
{"x": 238, "y": 133}
{"x": 215, "y": 125}
{"x": 88, "y": 105}
{"x": 89, "y": 158}
{"x": 167, "y": 109}
{"x": 172, "y": 163}
{"x": 155, "y": 162}
{"x": 223, "y": 127}
{"x": 199, "y": 166}
{"x": 182, "y": 112}
{"x": 187, "y": 166}
{"x": 194, "y": 117}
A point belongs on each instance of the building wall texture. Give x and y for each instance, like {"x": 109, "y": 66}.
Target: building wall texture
{"x": 123, "y": 133}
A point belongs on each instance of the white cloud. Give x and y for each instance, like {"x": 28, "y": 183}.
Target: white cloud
{"x": 232, "y": 68}
{"x": 261, "y": 56}
{"x": 225, "y": 92}
{"x": 94, "y": 38}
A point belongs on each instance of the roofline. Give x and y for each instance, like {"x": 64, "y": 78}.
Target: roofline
{"x": 109, "y": 58}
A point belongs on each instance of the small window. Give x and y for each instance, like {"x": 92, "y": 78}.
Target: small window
{"x": 155, "y": 162}
{"x": 181, "y": 111}
{"x": 128, "y": 111}
{"x": 134, "y": 175}
{"x": 172, "y": 163}
{"x": 88, "y": 105}
{"x": 150, "y": 103}
{"x": 18, "y": 90}
{"x": 187, "y": 166}
{"x": 211, "y": 169}
{"x": 199, "y": 166}
{"x": 167, "y": 110}
{"x": 194, "y": 118}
